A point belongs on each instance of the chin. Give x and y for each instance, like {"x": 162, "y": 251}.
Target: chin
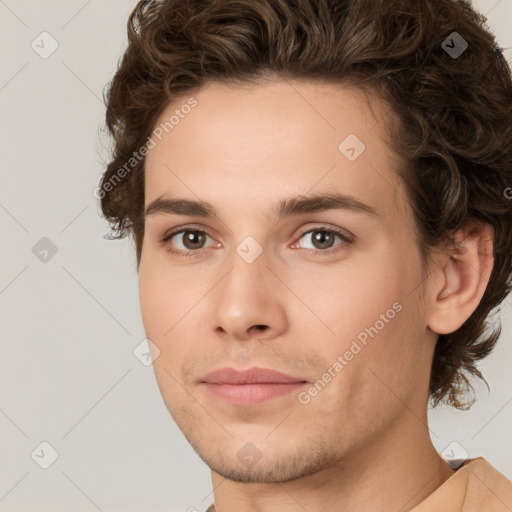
{"x": 250, "y": 465}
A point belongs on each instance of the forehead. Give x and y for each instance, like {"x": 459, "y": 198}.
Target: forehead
{"x": 280, "y": 138}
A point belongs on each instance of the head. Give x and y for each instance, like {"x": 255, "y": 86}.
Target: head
{"x": 351, "y": 224}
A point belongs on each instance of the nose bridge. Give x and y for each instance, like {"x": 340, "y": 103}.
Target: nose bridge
{"x": 246, "y": 296}
{"x": 248, "y": 264}
{"x": 246, "y": 278}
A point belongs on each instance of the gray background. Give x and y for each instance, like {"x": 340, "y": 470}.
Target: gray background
{"x": 70, "y": 324}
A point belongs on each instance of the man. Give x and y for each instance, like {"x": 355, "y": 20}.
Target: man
{"x": 317, "y": 193}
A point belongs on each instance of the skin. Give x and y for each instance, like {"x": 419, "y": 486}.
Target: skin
{"x": 362, "y": 442}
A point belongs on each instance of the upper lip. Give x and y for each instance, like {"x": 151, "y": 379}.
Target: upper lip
{"x": 250, "y": 376}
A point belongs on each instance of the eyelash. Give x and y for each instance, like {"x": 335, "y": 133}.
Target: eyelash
{"x": 346, "y": 240}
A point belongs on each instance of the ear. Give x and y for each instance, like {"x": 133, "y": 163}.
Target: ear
{"x": 460, "y": 276}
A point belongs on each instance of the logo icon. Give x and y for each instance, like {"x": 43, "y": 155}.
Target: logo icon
{"x": 45, "y": 455}
{"x": 454, "y": 45}
{"x": 44, "y": 250}
{"x": 249, "y": 249}
{"x": 44, "y": 45}
{"x": 249, "y": 455}
{"x": 146, "y": 352}
{"x": 455, "y": 454}
{"x": 351, "y": 147}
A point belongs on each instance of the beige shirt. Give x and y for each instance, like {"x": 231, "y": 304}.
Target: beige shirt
{"x": 474, "y": 487}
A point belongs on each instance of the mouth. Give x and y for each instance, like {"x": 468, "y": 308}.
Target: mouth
{"x": 250, "y": 387}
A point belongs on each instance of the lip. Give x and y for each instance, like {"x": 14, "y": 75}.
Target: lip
{"x": 253, "y": 375}
{"x": 251, "y": 386}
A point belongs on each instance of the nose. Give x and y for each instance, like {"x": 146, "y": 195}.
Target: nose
{"x": 249, "y": 302}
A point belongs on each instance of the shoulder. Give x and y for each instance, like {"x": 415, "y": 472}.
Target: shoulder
{"x": 475, "y": 487}
{"x": 486, "y": 487}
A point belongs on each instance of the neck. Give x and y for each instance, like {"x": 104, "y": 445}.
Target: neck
{"x": 395, "y": 472}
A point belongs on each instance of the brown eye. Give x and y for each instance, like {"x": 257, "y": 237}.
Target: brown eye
{"x": 322, "y": 239}
{"x": 186, "y": 241}
{"x": 193, "y": 239}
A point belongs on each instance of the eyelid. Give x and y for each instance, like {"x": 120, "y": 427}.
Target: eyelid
{"x": 180, "y": 229}
{"x": 326, "y": 227}
{"x": 190, "y": 227}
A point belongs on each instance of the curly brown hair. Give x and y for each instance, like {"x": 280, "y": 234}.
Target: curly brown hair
{"x": 452, "y": 136}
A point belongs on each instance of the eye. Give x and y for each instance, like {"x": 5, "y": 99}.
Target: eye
{"x": 186, "y": 241}
{"x": 189, "y": 241}
{"x": 323, "y": 239}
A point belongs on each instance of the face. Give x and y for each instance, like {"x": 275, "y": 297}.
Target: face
{"x": 270, "y": 276}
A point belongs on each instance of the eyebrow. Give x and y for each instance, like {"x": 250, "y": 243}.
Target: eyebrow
{"x": 288, "y": 207}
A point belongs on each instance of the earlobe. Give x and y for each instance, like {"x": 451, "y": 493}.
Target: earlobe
{"x": 461, "y": 278}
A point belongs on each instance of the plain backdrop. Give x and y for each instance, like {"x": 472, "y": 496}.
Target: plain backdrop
{"x": 69, "y": 298}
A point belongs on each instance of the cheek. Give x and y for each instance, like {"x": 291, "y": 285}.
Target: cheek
{"x": 376, "y": 378}
{"x": 346, "y": 299}
{"x": 165, "y": 294}
{"x": 168, "y": 304}
{"x": 162, "y": 306}
{"x": 368, "y": 317}
{"x": 150, "y": 299}
{"x": 159, "y": 313}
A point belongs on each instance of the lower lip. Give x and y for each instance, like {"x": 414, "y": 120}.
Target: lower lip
{"x": 249, "y": 394}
